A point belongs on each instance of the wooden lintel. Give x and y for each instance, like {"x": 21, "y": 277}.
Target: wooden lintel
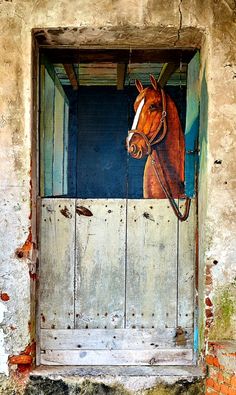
{"x": 121, "y": 73}
{"x": 167, "y": 70}
{"x": 70, "y": 71}
{"x": 75, "y": 55}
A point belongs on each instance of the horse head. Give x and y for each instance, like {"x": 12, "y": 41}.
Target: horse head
{"x": 149, "y": 126}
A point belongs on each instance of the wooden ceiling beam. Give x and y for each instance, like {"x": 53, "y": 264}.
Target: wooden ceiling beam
{"x": 71, "y": 74}
{"x": 121, "y": 74}
{"x": 166, "y": 72}
{"x": 70, "y": 55}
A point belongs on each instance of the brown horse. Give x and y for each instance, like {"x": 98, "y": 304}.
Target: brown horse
{"x": 157, "y": 132}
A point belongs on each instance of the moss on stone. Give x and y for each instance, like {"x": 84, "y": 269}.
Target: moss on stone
{"x": 46, "y": 386}
{"x": 224, "y": 309}
{"x": 180, "y": 388}
{"x": 88, "y": 387}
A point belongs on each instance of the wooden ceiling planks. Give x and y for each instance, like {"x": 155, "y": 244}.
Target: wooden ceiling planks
{"x": 118, "y": 67}
{"x": 105, "y": 74}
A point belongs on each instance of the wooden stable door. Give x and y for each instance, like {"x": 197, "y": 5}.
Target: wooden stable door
{"x": 117, "y": 286}
{"x": 116, "y": 270}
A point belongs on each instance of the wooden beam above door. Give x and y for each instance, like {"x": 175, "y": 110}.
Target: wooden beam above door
{"x": 70, "y": 71}
{"x": 167, "y": 70}
{"x": 121, "y": 73}
{"x": 72, "y": 55}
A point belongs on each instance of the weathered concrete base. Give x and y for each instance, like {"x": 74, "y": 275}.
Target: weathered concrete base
{"x": 99, "y": 386}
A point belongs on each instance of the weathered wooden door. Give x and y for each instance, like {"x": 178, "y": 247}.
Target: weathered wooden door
{"x": 116, "y": 286}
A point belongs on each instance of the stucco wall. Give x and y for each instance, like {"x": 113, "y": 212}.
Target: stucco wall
{"x": 209, "y": 25}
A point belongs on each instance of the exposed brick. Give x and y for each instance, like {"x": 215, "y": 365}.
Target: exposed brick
{"x": 220, "y": 377}
{"x": 224, "y": 389}
{"x": 208, "y": 280}
{"x": 216, "y": 362}
{"x": 232, "y": 391}
{"x": 210, "y": 382}
{"x": 208, "y": 302}
{"x": 227, "y": 378}
{"x": 209, "y": 313}
{"x": 209, "y": 360}
{"x": 233, "y": 381}
{"x": 216, "y": 386}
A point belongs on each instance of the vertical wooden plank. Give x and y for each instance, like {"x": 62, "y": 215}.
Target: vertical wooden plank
{"x": 186, "y": 263}
{"x": 100, "y": 263}
{"x": 65, "y": 156}
{"x": 192, "y": 124}
{"x": 58, "y": 143}
{"x": 48, "y": 133}
{"x": 57, "y": 253}
{"x": 151, "y": 295}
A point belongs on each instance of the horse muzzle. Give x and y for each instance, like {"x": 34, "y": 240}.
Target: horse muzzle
{"x": 135, "y": 151}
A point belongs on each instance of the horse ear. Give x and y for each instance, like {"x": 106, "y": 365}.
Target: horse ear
{"x": 153, "y": 82}
{"x": 139, "y": 85}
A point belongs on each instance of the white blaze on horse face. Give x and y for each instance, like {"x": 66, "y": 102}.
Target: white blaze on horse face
{"x": 136, "y": 119}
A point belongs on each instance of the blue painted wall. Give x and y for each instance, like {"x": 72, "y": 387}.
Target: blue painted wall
{"x": 99, "y": 166}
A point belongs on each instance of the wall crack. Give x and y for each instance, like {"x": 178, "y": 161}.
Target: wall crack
{"x": 180, "y": 23}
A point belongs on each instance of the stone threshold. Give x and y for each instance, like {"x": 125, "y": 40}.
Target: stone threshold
{"x": 188, "y": 372}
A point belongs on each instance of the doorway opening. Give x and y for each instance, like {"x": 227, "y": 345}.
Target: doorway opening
{"x": 117, "y": 271}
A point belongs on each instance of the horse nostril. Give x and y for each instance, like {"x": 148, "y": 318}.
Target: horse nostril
{"x": 132, "y": 149}
{"x": 140, "y": 154}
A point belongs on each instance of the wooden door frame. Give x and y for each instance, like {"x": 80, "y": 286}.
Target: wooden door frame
{"x": 35, "y": 198}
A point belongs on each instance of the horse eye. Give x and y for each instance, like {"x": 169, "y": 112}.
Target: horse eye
{"x": 152, "y": 107}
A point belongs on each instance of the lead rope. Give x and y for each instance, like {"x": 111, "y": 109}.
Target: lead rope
{"x": 181, "y": 216}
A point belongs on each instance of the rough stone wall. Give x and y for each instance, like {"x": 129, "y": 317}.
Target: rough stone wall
{"x": 209, "y": 24}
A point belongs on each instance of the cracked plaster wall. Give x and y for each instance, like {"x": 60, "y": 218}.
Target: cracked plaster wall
{"x": 209, "y": 24}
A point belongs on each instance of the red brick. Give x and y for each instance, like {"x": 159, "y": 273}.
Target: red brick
{"x": 233, "y": 381}
{"x": 220, "y": 377}
{"x": 224, "y": 389}
{"x": 208, "y": 280}
{"x": 227, "y": 378}
{"x": 209, "y": 313}
{"x": 232, "y": 391}
{"x": 208, "y": 302}
{"x": 216, "y": 362}
{"x": 210, "y": 382}
{"x": 209, "y": 360}
{"x": 216, "y": 386}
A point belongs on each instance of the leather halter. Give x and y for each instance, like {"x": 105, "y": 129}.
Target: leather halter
{"x": 157, "y": 166}
{"x": 153, "y": 140}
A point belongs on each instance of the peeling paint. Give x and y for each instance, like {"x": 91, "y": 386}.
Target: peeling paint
{"x": 4, "y": 296}
{"x": 24, "y": 251}
{"x": 123, "y": 24}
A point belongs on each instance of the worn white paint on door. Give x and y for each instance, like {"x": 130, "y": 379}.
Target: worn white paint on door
{"x": 186, "y": 265}
{"x": 118, "y": 357}
{"x": 151, "y": 264}
{"x": 57, "y": 261}
{"x": 120, "y": 279}
{"x": 100, "y": 264}
{"x": 110, "y": 339}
